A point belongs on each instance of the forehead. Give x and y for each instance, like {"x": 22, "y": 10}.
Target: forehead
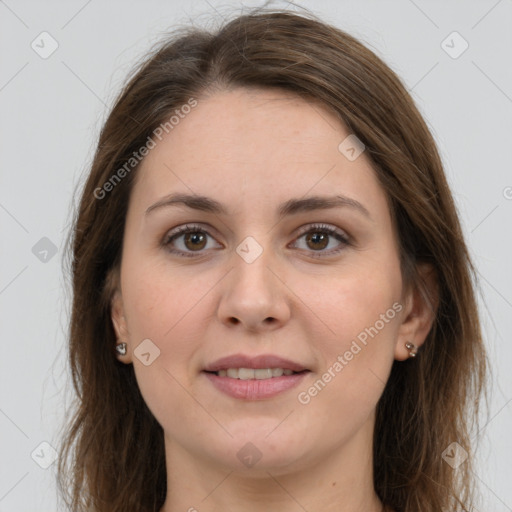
{"x": 260, "y": 124}
{"x": 267, "y": 145}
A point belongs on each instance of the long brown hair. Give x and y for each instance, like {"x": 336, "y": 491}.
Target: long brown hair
{"x": 112, "y": 455}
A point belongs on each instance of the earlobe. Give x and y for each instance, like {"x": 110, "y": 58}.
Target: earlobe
{"x": 419, "y": 314}
{"x": 120, "y": 328}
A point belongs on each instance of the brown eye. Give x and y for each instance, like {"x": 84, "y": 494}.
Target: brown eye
{"x": 317, "y": 240}
{"x": 318, "y": 237}
{"x": 195, "y": 240}
{"x": 187, "y": 240}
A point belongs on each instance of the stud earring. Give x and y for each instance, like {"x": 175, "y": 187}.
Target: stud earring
{"x": 411, "y": 347}
{"x": 121, "y": 348}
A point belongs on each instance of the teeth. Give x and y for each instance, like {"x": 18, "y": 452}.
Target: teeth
{"x": 263, "y": 374}
{"x": 245, "y": 373}
{"x": 250, "y": 373}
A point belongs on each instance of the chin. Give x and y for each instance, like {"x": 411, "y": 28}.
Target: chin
{"x": 262, "y": 451}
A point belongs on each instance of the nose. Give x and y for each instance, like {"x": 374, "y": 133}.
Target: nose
{"x": 254, "y": 295}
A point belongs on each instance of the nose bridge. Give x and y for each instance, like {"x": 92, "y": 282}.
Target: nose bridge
{"x": 252, "y": 261}
{"x": 253, "y": 294}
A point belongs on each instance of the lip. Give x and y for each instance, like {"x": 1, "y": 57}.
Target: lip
{"x": 254, "y": 389}
{"x": 254, "y": 362}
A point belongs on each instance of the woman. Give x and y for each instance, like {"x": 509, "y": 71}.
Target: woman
{"x": 273, "y": 302}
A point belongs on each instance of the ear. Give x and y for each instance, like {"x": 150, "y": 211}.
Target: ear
{"x": 421, "y": 304}
{"x": 120, "y": 327}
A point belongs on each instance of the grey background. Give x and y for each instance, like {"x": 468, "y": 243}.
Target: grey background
{"x": 51, "y": 112}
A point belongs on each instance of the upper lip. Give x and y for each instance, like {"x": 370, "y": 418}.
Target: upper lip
{"x": 261, "y": 361}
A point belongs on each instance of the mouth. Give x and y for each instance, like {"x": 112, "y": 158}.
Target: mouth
{"x": 254, "y": 378}
{"x": 254, "y": 383}
{"x": 255, "y": 373}
{"x": 265, "y": 366}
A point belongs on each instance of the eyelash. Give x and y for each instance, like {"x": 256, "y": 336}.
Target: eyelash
{"x": 313, "y": 228}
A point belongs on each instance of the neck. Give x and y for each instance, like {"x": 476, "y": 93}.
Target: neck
{"x": 340, "y": 481}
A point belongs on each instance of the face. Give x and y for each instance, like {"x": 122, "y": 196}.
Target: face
{"x": 319, "y": 288}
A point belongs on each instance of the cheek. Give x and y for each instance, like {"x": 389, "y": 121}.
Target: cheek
{"x": 158, "y": 300}
{"x": 361, "y": 310}
{"x": 354, "y": 301}
{"x": 167, "y": 309}
{"x": 172, "y": 308}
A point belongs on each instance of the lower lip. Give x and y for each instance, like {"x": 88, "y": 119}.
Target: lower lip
{"x": 255, "y": 389}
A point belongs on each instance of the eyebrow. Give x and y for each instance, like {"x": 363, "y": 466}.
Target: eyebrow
{"x": 290, "y": 207}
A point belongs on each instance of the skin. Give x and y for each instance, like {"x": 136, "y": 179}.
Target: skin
{"x": 251, "y": 150}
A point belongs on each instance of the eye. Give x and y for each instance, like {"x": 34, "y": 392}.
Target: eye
{"x": 194, "y": 239}
{"x": 319, "y": 236}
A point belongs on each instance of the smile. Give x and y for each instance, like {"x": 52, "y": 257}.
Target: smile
{"x": 254, "y": 384}
{"x": 254, "y": 373}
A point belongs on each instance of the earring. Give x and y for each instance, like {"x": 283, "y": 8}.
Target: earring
{"x": 412, "y": 349}
{"x": 121, "y": 348}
